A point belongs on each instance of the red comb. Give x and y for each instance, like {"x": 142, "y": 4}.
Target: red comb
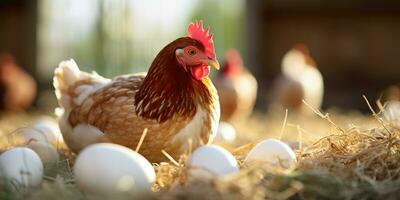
{"x": 196, "y": 31}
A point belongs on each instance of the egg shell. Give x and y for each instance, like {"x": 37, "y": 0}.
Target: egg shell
{"x": 109, "y": 169}
{"x": 274, "y": 152}
{"x": 213, "y": 159}
{"x": 47, "y": 153}
{"x": 44, "y": 130}
{"x": 22, "y": 166}
{"x": 226, "y": 133}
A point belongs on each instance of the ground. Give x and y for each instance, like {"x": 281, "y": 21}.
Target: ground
{"x": 342, "y": 155}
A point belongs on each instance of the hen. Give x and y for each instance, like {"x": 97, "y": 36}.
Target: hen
{"x": 237, "y": 88}
{"x": 175, "y": 101}
{"x": 17, "y": 88}
{"x": 391, "y": 103}
{"x": 300, "y": 79}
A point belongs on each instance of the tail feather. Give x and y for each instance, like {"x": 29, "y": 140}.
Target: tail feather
{"x": 73, "y": 86}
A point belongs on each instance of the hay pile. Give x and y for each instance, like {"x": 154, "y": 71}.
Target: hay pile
{"x": 335, "y": 161}
{"x": 351, "y": 164}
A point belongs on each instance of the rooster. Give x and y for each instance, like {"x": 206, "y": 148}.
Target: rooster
{"x": 17, "y": 88}
{"x": 175, "y": 101}
{"x": 237, "y": 89}
{"x": 300, "y": 80}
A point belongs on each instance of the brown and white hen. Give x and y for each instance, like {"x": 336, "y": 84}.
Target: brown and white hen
{"x": 176, "y": 101}
{"x": 300, "y": 79}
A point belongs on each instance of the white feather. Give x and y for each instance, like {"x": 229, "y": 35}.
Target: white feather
{"x": 66, "y": 75}
{"x": 313, "y": 86}
{"x": 195, "y": 127}
{"x": 80, "y": 136}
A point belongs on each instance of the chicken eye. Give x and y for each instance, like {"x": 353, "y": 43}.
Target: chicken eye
{"x": 191, "y": 52}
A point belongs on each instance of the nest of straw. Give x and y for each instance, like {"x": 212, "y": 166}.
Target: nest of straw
{"x": 355, "y": 164}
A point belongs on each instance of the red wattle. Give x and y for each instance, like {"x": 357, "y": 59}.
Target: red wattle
{"x": 200, "y": 71}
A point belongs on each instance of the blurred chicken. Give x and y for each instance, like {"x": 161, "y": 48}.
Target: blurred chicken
{"x": 300, "y": 79}
{"x": 392, "y": 93}
{"x": 17, "y": 88}
{"x": 237, "y": 89}
{"x": 175, "y": 101}
{"x": 391, "y": 104}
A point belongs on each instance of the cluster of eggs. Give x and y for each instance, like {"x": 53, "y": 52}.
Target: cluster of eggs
{"x": 220, "y": 162}
{"x": 109, "y": 169}
{"x": 23, "y": 166}
{"x": 106, "y": 169}
{"x": 271, "y": 151}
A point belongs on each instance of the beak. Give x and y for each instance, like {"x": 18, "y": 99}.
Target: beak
{"x": 212, "y": 63}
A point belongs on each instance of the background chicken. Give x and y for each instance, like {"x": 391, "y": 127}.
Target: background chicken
{"x": 17, "y": 88}
{"x": 175, "y": 101}
{"x": 391, "y": 103}
{"x": 391, "y": 93}
{"x": 300, "y": 79}
{"x": 237, "y": 88}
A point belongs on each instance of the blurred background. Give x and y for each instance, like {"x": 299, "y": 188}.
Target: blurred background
{"x": 354, "y": 43}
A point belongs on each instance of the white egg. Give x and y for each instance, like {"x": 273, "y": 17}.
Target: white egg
{"x": 274, "y": 152}
{"x": 226, "y": 133}
{"x": 22, "y": 166}
{"x": 47, "y": 153}
{"x": 44, "y": 130}
{"x": 109, "y": 169}
{"x": 213, "y": 159}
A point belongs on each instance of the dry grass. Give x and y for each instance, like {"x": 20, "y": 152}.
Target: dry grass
{"x": 341, "y": 156}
